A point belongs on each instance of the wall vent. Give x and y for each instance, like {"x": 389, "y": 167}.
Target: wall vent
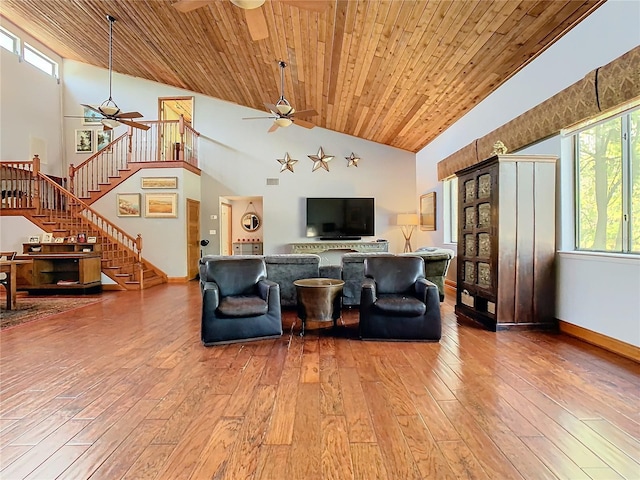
{"x": 273, "y": 181}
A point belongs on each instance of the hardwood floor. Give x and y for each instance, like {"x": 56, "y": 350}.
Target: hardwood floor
{"x": 123, "y": 389}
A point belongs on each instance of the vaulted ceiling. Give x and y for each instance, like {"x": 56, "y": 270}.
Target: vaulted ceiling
{"x": 396, "y": 72}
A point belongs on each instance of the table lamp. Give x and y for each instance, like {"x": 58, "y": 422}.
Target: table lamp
{"x": 408, "y": 222}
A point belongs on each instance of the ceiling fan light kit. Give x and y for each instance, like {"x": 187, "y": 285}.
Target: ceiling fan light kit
{"x": 248, "y": 4}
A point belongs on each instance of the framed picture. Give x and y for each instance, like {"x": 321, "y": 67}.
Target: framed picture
{"x": 58, "y": 240}
{"x": 161, "y": 204}
{"x": 84, "y": 141}
{"x": 90, "y": 117}
{"x": 34, "y": 239}
{"x": 82, "y": 237}
{"x": 103, "y": 138}
{"x": 428, "y": 211}
{"x": 72, "y": 239}
{"x": 128, "y": 204}
{"x": 47, "y": 237}
{"x": 92, "y": 239}
{"x": 159, "y": 182}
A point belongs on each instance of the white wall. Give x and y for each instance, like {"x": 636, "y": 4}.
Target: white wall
{"x": 14, "y": 231}
{"x": 238, "y": 156}
{"x": 609, "y": 32}
{"x": 164, "y": 240}
{"x": 30, "y": 103}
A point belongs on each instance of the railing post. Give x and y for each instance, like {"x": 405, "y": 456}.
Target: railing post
{"x": 130, "y": 145}
{"x": 72, "y": 174}
{"x": 139, "y": 246}
{"x": 181, "y": 131}
{"x": 36, "y": 183}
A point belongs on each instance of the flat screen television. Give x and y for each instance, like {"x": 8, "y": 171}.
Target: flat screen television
{"x": 340, "y": 218}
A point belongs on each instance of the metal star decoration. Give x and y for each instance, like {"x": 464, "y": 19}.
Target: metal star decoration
{"x": 287, "y": 163}
{"x": 320, "y": 160}
{"x": 352, "y": 160}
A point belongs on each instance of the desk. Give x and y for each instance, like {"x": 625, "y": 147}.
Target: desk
{"x": 319, "y": 300}
{"x": 9, "y": 267}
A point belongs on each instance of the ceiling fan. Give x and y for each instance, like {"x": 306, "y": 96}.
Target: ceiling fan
{"x": 283, "y": 113}
{"x": 254, "y": 16}
{"x": 112, "y": 116}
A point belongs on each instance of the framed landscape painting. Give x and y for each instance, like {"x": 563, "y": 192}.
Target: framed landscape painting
{"x": 161, "y": 205}
{"x": 428, "y": 211}
{"x": 159, "y": 182}
{"x": 103, "y": 138}
{"x": 128, "y": 204}
{"x": 90, "y": 117}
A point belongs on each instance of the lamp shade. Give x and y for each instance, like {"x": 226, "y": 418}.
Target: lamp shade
{"x": 283, "y": 122}
{"x": 407, "y": 219}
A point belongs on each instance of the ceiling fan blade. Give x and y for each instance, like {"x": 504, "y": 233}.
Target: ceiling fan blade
{"x": 303, "y": 123}
{"x": 106, "y": 127}
{"x": 313, "y": 5}
{"x": 141, "y": 126}
{"x": 92, "y": 108}
{"x": 129, "y": 115}
{"x": 271, "y": 107}
{"x": 258, "y": 118}
{"x": 185, "y": 6}
{"x": 273, "y": 128}
{"x": 306, "y": 113}
{"x": 256, "y": 23}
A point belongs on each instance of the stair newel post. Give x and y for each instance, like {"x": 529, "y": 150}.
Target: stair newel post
{"x": 181, "y": 131}
{"x": 140, "y": 272}
{"x": 72, "y": 183}
{"x": 36, "y": 183}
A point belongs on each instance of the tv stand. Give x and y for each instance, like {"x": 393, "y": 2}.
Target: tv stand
{"x": 340, "y": 238}
{"x": 323, "y": 246}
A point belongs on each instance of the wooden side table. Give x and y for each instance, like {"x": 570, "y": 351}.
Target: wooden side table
{"x": 319, "y": 300}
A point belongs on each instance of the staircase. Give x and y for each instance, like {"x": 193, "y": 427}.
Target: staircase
{"x": 171, "y": 143}
{"x": 56, "y": 210}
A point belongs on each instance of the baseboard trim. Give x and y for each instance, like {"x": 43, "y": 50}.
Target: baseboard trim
{"x": 611, "y": 344}
{"x": 177, "y": 279}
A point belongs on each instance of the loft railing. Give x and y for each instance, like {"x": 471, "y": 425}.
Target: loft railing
{"x": 17, "y": 183}
{"x": 166, "y": 141}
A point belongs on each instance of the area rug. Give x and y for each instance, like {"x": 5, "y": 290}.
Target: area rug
{"x": 35, "y": 308}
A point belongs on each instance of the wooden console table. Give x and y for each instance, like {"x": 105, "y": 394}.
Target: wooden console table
{"x": 10, "y": 268}
{"x": 323, "y": 246}
{"x": 64, "y": 271}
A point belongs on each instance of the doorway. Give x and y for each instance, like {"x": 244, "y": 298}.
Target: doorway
{"x": 169, "y": 111}
{"x": 193, "y": 238}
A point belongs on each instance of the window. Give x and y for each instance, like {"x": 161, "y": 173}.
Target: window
{"x": 450, "y": 210}
{"x": 8, "y": 41}
{"x": 608, "y": 184}
{"x": 40, "y": 61}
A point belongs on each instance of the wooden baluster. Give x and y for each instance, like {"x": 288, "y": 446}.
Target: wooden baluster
{"x": 139, "y": 247}
{"x": 130, "y": 145}
{"x": 72, "y": 173}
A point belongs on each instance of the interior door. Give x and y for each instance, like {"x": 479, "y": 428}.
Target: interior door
{"x": 193, "y": 238}
{"x": 169, "y": 111}
{"x": 225, "y": 229}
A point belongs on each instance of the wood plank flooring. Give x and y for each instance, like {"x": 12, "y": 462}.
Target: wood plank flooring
{"x": 123, "y": 389}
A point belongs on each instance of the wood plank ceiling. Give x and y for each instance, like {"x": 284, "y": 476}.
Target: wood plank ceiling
{"x": 396, "y": 72}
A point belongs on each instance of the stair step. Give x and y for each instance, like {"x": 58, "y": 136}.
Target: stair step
{"x": 124, "y": 169}
{"x": 39, "y": 216}
{"x": 132, "y": 282}
{"x": 111, "y": 268}
{"x": 123, "y": 275}
{"x": 49, "y": 223}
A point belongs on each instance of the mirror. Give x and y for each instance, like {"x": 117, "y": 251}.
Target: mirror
{"x": 250, "y": 222}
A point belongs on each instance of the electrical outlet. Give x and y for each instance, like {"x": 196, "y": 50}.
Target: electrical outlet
{"x": 214, "y": 217}
{"x": 212, "y": 232}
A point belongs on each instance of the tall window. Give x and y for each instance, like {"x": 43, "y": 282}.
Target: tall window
{"x": 608, "y": 184}
{"x": 9, "y": 41}
{"x": 450, "y": 210}
{"x": 40, "y": 60}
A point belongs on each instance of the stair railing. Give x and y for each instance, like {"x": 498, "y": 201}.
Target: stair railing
{"x": 58, "y": 205}
{"x": 99, "y": 168}
{"x": 165, "y": 141}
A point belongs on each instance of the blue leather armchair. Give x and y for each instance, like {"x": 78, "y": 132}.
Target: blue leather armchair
{"x": 397, "y": 302}
{"x": 238, "y": 302}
